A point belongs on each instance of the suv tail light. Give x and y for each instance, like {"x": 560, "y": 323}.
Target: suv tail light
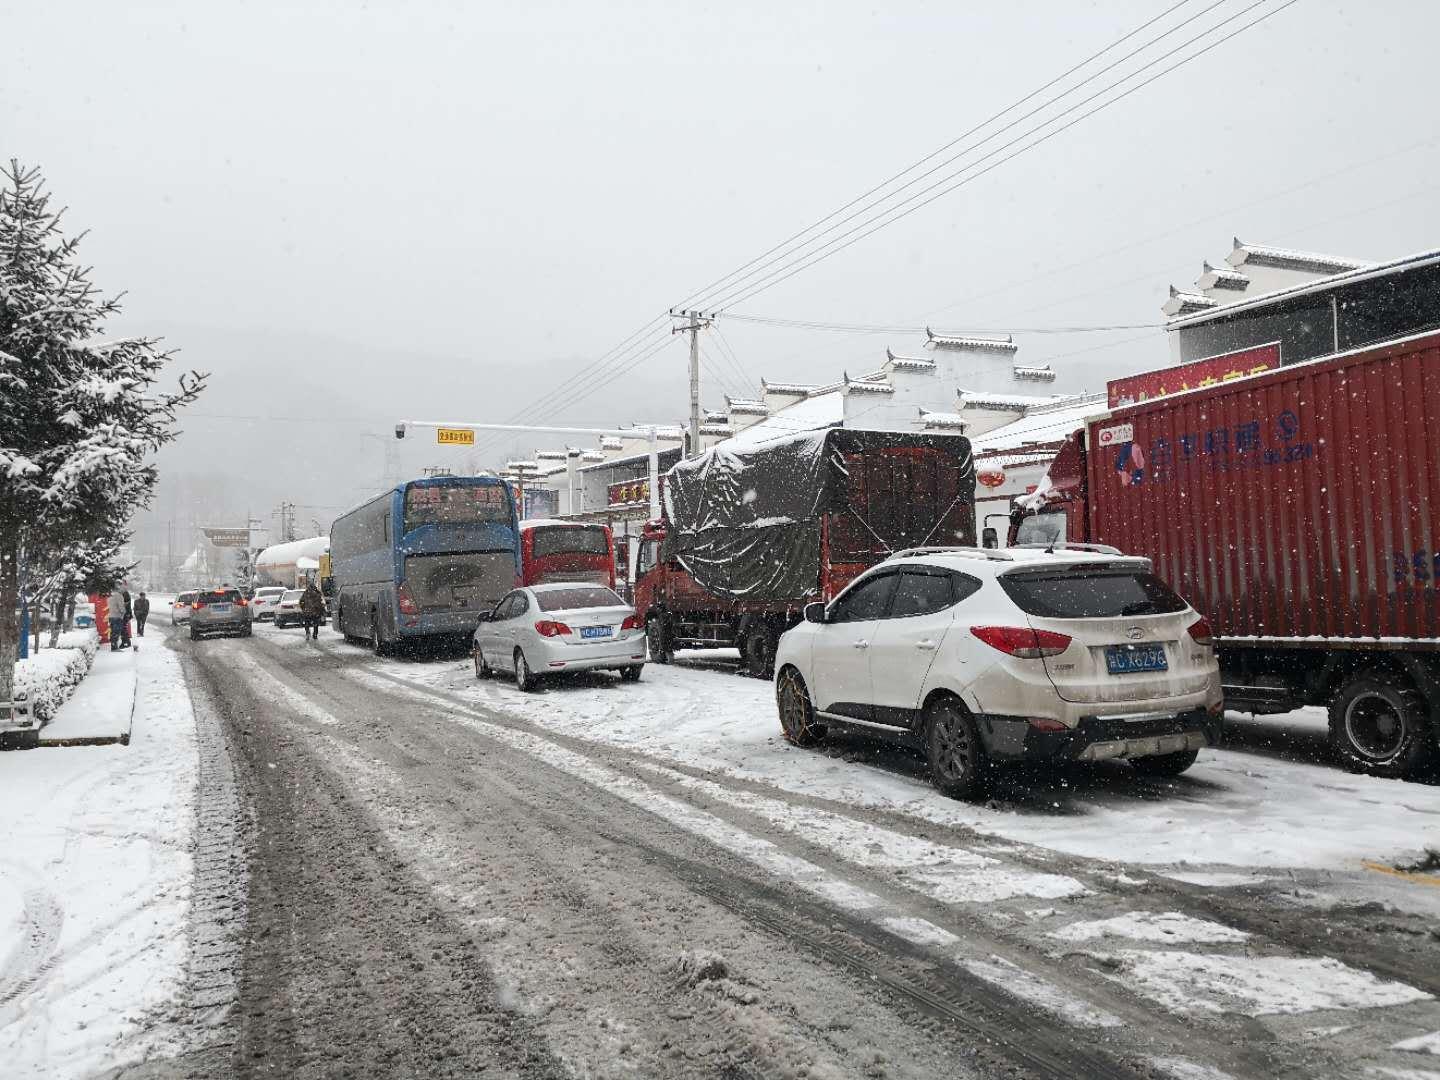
{"x": 197, "y": 605}
{"x": 632, "y": 622}
{"x": 1022, "y": 641}
{"x": 550, "y": 628}
{"x": 405, "y": 600}
{"x": 1200, "y": 631}
{"x": 242, "y": 602}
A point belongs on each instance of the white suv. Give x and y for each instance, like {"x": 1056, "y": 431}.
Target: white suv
{"x": 266, "y": 602}
{"x": 979, "y": 656}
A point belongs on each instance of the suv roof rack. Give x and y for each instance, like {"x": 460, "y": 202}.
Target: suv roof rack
{"x": 1068, "y": 545}
{"x": 994, "y": 554}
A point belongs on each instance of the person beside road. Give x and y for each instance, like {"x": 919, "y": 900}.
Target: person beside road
{"x": 142, "y": 612}
{"x": 312, "y": 608}
{"x": 129, "y": 614}
{"x": 115, "y": 615}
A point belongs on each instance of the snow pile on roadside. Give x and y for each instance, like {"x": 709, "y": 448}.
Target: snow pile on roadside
{"x": 95, "y": 888}
{"x": 49, "y": 677}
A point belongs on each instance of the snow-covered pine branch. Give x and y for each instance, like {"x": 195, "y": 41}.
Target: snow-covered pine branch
{"x": 80, "y": 414}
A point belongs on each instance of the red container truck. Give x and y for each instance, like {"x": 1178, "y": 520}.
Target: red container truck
{"x": 755, "y": 531}
{"x": 1299, "y": 511}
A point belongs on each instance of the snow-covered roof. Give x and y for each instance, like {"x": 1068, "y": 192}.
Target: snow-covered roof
{"x": 951, "y": 341}
{"x": 551, "y": 455}
{"x": 791, "y": 389}
{"x": 747, "y": 406}
{"x": 1182, "y": 302}
{"x": 1034, "y": 372}
{"x": 1363, "y": 273}
{"x": 866, "y": 386}
{"x": 611, "y": 442}
{"x": 516, "y": 466}
{"x": 1042, "y": 424}
{"x": 909, "y": 363}
{"x": 592, "y": 455}
{"x": 1290, "y": 259}
{"x": 1002, "y": 402}
{"x": 819, "y": 411}
{"x": 1221, "y": 277}
{"x": 872, "y": 376}
{"x": 943, "y": 420}
{"x": 713, "y": 416}
{"x": 715, "y": 429}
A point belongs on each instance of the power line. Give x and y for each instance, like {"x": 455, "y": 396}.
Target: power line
{"x": 859, "y": 328}
{"x": 945, "y": 185}
{"x": 933, "y": 154}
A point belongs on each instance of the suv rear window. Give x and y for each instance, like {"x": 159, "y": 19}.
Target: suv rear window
{"x": 218, "y": 596}
{"x": 1091, "y": 594}
{"x": 570, "y": 599}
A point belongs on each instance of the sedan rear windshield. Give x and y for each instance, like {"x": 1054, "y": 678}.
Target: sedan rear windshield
{"x": 1091, "y": 594}
{"x": 570, "y": 599}
{"x": 219, "y": 596}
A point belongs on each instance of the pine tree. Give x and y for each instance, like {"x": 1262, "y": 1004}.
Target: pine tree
{"x": 79, "y": 414}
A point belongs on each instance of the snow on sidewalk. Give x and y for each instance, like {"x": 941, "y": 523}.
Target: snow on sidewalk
{"x": 95, "y": 885}
{"x": 103, "y": 704}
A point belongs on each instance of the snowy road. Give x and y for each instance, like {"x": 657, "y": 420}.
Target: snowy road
{"x": 451, "y": 879}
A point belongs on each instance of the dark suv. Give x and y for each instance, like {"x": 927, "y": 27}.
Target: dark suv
{"x": 219, "y": 611}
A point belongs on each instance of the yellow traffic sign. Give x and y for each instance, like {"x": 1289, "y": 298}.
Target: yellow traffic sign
{"x": 449, "y": 436}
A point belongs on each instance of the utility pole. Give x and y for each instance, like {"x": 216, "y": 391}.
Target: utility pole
{"x": 698, "y": 321}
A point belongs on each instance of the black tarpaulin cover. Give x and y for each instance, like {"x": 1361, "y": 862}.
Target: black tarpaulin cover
{"x": 745, "y": 520}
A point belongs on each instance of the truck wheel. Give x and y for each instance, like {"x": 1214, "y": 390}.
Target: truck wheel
{"x": 1378, "y": 726}
{"x": 194, "y": 634}
{"x": 657, "y": 636}
{"x": 797, "y": 714}
{"x": 1165, "y": 764}
{"x": 760, "y": 652}
{"x": 952, "y": 747}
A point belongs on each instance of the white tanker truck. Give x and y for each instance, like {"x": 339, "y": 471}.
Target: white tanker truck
{"x": 290, "y": 564}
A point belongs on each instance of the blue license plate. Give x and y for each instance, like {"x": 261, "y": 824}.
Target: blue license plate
{"x": 1128, "y": 659}
{"x": 220, "y": 609}
{"x": 597, "y": 631}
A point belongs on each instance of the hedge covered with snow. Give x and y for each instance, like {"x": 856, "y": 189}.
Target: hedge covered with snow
{"x": 49, "y": 677}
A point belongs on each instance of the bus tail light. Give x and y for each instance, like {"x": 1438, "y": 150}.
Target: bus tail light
{"x": 405, "y": 600}
{"x": 550, "y": 628}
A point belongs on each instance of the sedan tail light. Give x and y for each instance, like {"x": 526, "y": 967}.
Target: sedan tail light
{"x": 1200, "y": 631}
{"x": 1022, "y": 641}
{"x": 632, "y": 622}
{"x": 197, "y": 605}
{"x": 242, "y": 602}
{"x": 550, "y": 628}
{"x": 405, "y": 600}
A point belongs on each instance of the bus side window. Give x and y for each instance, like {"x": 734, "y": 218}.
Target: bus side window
{"x": 647, "y": 557}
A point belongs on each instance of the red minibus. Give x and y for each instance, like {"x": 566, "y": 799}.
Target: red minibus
{"x": 566, "y": 551}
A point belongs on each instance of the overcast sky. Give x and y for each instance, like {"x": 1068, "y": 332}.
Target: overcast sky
{"x": 350, "y": 214}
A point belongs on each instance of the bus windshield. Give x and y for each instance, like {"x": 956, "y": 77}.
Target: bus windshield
{"x": 455, "y": 504}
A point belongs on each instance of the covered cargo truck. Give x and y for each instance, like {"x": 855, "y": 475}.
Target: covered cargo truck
{"x": 754, "y": 531}
{"x": 1299, "y": 511}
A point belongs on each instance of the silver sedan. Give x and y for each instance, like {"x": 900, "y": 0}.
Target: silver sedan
{"x": 558, "y": 628}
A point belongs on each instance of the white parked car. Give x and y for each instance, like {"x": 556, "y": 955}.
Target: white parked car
{"x": 557, "y": 628}
{"x": 266, "y": 602}
{"x": 984, "y": 656}
{"x": 181, "y": 607}
{"x": 287, "y": 610}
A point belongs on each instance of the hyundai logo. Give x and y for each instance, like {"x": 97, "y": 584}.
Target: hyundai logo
{"x": 1134, "y": 633}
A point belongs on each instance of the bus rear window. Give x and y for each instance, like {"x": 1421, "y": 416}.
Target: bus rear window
{"x": 455, "y": 504}
{"x": 570, "y": 540}
{"x": 1090, "y": 594}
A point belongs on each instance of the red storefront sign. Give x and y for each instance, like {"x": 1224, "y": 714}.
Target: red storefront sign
{"x": 629, "y": 493}
{"x": 1149, "y": 385}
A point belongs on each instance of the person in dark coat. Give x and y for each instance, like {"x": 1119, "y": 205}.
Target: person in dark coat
{"x": 312, "y": 610}
{"x": 129, "y": 614}
{"x": 142, "y": 612}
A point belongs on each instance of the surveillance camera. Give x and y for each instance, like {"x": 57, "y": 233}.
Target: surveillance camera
{"x": 399, "y": 431}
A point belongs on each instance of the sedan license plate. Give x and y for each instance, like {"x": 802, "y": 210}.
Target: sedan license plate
{"x": 220, "y": 609}
{"x": 597, "y": 631}
{"x": 1128, "y": 659}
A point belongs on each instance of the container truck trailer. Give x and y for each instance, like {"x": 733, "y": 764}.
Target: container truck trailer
{"x": 753, "y": 532}
{"x": 1299, "y": 511}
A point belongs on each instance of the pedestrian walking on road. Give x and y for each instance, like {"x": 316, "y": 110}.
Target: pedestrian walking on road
{"x": 142, "y": 612}
{"x": 115, "y": 616}
{"x": 312, "y": 611}
{"x": 125, "y": 623}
